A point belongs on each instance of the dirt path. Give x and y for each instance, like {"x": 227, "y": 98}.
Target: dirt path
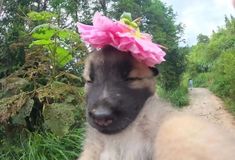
{"x": 206, "y": 105}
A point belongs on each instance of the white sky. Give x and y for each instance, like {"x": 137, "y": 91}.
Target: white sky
{"x": 200, "y": 16}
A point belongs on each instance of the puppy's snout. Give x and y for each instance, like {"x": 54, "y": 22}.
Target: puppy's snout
{"x": 102, "y": 116}
{"x": 101, "y": 113}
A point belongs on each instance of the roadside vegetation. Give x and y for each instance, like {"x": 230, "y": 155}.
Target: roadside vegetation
{"x": 211, "y": 63}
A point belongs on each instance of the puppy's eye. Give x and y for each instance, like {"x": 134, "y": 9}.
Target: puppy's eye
{"x": 88, "y": 80}
{"x": 131, "y": 79}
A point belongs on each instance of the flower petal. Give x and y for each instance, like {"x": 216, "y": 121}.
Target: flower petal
{"x": 108, "y": 32}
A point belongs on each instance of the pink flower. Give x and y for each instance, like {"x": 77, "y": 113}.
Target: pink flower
{"x": 119, "y": 35}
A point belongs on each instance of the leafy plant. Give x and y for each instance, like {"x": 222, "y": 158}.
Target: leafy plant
{"x": 59, "y": 43}
{"x": 178, "y": 97}
{"x": 41, "y": 16}
{"x": 42, "y": 90}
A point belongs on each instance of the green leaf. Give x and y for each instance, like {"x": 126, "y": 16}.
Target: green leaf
{"x": 126, "y": 15}
{"x": 41, "y": 16}
{"x": 44, "y": 34}
{"x": 44, "y": 31}
{"x": 41, "y": 42}
{"x": 62, "y": 56}
{"x": 64, "y": 34}
{"x": 68, "y": 34}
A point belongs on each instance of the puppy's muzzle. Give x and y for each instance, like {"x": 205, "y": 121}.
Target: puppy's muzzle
{"x": 102, "y": 116}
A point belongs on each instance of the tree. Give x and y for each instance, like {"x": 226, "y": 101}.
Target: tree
{"x": 13, "y": 38}
{"x": 202, "y": 38}
{"x": 15, "y": 26}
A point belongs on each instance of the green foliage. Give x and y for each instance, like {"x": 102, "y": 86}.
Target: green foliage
{"x": 59, "y": 117}
{"x": 32, "y": 92}
{"x": 202, "y": 38}
{"x": 211, "y": 63}
{"x": 57, "y": 41}
{"x": 127, "y": 16}
{"x": 202, "y": 80}
{"x": 46, "y": 146}
{"x": 13, "y": 37}
{"x": 224, "y": 84}
{"x": 230, "y": 105}
{"x": 41, "y": 16}
{"x": 178, "y": 97}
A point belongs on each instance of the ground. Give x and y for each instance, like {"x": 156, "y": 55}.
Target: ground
{"x": 206, "y": 105}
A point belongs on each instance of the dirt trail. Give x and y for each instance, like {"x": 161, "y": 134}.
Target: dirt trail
{"x": 206, "y": 105}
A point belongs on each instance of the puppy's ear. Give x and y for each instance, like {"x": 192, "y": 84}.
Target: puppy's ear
{"x": 154, "y": 70}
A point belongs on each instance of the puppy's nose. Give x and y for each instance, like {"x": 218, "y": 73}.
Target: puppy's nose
{"x": 102, "y": 116}
{"x": 101, "y": 113}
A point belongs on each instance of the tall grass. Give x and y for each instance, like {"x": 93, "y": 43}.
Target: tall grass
{"x": 178, "y": 97}
{"x": 45, "y": 146}
{"x": 230, "y": 105}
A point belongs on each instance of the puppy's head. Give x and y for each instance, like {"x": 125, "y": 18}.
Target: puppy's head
{"x": 117, "y": 87}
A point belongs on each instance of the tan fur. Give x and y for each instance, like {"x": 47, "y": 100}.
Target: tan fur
{"x": 90, "y": 59}
{"x": 86, "y": 71}
{"x": 185, "y": 137}
{"x": 144, "y": 83}
{"x": 142, "y": 71}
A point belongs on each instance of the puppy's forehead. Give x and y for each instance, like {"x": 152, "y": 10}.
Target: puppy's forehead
{"x": 110, "y": 58}
{"x": 107, "y": 58}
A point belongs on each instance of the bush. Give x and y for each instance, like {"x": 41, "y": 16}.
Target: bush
{"x": 230, "y": 105}
{"x": 202, "y": 80}
{"x": 178, "y": 97}
{"x": 224, "y": 75}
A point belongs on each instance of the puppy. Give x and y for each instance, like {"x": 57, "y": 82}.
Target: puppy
{"x": 123, "y": 112}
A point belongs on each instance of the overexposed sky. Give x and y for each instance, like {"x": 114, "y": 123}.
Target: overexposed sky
{"x": 200, "y": 16}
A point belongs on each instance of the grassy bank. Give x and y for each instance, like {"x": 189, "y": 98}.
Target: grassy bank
{"x": 46, "y": 146}
{"x": 178, "y": 97}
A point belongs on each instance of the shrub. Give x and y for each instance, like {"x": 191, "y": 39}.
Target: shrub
{"x": 224, "y": 75}
{"x": 178, "y": 97}
{"x": 202, "y": 80}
